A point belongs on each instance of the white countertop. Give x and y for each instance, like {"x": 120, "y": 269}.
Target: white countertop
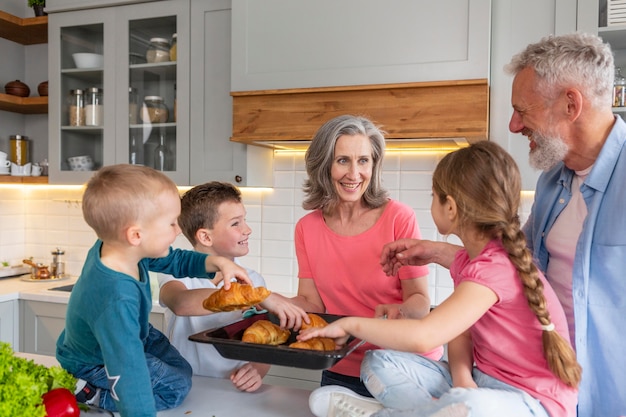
{"x": 18, "y": 289}
{"x": 213, "y": 397}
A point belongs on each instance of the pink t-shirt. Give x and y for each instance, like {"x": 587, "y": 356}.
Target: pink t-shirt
{"x": 507, "y": 338}
{"x": 347, "y": 272}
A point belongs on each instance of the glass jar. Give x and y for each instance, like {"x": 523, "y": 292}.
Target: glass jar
{"x": 619, "y": 89}
{"x": 132, "y": 106}
{"x": 173, "y": 47}
{"x": 19, "y": 149}
{"x": 154, "y": 110}
{"x": 94, "y": 107}
{"x": 76, "y": 108}
{"x": 158, "y": 51}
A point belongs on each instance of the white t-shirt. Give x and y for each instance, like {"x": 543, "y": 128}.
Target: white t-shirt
{"x": 203, "y": 357}
{"x": 561, "y": 244}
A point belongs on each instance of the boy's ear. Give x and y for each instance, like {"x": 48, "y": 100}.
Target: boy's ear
{"x": 133, "y": 235}
{"x": 203, "y": 236}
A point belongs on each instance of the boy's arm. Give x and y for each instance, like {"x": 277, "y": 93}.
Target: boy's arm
{"x": 183, "y": 301}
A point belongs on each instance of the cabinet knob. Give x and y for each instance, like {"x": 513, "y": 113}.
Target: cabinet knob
{"x": 238, "y": 178}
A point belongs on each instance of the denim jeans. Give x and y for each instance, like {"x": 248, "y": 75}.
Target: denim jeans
{"x": 411, "y": 385}
{"x": 170, "y": 374}
{"x": 350, "y": 382}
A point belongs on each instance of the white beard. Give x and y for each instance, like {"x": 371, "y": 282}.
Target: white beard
{"x": 550, "y": 150}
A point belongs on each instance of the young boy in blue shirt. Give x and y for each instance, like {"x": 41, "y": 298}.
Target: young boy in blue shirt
{"x": 124, "y": 363}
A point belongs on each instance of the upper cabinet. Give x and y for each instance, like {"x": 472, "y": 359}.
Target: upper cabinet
{"x": 283, "y": 44}
{"x": 131, "y": 105}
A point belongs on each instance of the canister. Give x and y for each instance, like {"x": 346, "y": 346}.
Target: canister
{"x": 19, "y": 149}
{"x": 158, "y": 50}
{"x": 94, "y": 107}
{"x": 154, "y": 110}
{"x": 76, "y": 108}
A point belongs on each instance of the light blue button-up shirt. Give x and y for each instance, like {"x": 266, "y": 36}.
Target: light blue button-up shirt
{"x": 599, "y": 272}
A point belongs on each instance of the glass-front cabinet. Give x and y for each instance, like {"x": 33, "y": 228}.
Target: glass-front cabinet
{"x": 119, "y": 80}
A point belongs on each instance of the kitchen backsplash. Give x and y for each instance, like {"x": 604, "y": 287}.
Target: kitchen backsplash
{"x": 36, "y": 220}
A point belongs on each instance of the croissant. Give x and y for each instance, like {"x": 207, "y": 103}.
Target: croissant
{"x": 316, "y": 343}
{"x": 316, "y": 321}
{"x": 266, "y": 333}
{"x": 238, "y": 297}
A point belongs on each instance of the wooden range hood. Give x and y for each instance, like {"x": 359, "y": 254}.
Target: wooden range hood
{"x": 423, "y": 115}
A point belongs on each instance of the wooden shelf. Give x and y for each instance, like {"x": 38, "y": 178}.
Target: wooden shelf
{"x": 24, "y": 105}
{"x": 9, "y": 179}
{"x": 27, "y": 31}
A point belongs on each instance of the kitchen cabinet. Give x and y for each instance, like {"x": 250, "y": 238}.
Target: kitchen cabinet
{"x": 9, "y": 323}
{"x": 42, "y": 323}
{"x": 357, "y": 42}
{"x": 124, "y": 132}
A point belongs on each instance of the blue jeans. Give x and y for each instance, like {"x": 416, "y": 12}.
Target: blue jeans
{"x": 170, "y": 374}
{"x": 411, "y": 385}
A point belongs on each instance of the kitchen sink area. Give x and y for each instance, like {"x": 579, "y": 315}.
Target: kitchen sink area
{"x": 64, "y": 288}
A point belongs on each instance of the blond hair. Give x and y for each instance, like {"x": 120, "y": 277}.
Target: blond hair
{"x": 484, "y": 181}
{"x": 119, "y": 195}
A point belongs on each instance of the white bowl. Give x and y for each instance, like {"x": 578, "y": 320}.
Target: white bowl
{"x": 80, "y": 163}
{"x": 87, "y": 60}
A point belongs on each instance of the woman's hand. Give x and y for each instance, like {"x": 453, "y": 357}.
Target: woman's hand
{"x": 290, "y": 315}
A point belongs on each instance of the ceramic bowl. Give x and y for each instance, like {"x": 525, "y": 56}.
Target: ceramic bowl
{"x": 17, "y": 88}
{"x": 88, "y": 60}
{"x": 80, "y": 163}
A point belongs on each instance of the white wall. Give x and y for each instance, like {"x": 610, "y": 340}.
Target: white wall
{"x": 35, "y": 220}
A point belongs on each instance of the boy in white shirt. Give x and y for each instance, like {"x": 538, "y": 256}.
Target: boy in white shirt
{"x": 213, "y": 220}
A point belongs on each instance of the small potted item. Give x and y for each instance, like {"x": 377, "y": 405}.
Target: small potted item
{"x": 38, "y": 6}
{"x": 42, "y": 88}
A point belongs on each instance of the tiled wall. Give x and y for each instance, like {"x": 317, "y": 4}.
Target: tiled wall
{"x": 35, "y": 220}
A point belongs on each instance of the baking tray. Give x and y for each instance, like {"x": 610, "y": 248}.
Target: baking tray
{"x": 227, "y": 341}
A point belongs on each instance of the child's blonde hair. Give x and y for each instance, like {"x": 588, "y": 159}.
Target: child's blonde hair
{"x": 484, "y": 181}
{"x": 119, "y": 195}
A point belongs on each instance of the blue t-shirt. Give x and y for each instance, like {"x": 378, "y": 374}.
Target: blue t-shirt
{"x": 107, "y": 324}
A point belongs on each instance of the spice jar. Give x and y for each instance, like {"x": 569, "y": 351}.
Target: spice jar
{"x": 619, "y": 89}
{"x": 58, "y": 265}
{"x": 154, "y": 110}
{"x": 19, "y": 149}
{"x": 173, "y": 47}
{"x": 158, "y": 51}
{"x": 93, "y": 107}
{"x": 76, "y": 108}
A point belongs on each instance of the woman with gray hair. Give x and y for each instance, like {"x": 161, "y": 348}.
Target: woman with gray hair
{"x": 339, "y": 243}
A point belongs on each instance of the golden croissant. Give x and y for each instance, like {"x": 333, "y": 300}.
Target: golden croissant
{"x": 316, "y": 321}
{"x": 316, "y": 343}
{"x": 266, "y": 333}
{"x": 238, "y": 297}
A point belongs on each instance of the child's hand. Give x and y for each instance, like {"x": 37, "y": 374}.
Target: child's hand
{"x": 289, "y": 314}
{"x": 229, "y": 270}
{"x": 248, "y": 378}
{"x": 334, "y": 330}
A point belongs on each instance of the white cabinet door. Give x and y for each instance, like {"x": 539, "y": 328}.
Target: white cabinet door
{"x": 299, "y": 43}
{"x": 9, "y": 323}
{"x": 213, "y": 156}
{"x": 41, "y": 325}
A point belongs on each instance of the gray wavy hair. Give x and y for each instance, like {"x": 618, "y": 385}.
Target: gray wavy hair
{"x": 581, "y": 60}
{"x": 318, "y": 187}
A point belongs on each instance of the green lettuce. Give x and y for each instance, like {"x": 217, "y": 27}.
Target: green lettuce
{"x": 23, "y": 382}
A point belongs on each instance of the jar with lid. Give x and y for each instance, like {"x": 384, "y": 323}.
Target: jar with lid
{"x": 57, "y": 269}
{"x": 173, "y": 47}
{"x": 19, "y": 149}
{"x": 158, "y": 51}
{"x": 154, "y": 110}
{"x": 76, "y": 108}
{"x": 93, "y": 107}
{"x": 619, "y": 89}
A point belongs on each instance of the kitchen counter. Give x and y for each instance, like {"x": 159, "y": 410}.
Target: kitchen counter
{"x": 213, "y": 397}
{"x": 18, "y": 289}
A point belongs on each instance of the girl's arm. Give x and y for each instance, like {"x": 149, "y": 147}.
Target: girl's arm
{"x": 461, "y": 360}
{"x": 455, "y": 315}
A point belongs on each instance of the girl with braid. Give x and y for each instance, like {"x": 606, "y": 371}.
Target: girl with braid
{"x": 508, "y": 343}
